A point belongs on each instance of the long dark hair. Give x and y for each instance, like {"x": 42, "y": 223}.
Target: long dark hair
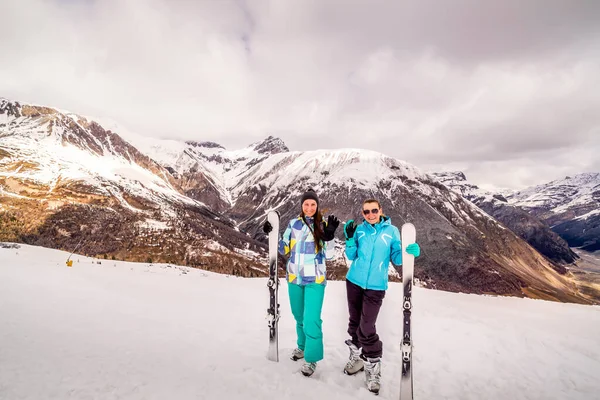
{"x": 317, "y": 231}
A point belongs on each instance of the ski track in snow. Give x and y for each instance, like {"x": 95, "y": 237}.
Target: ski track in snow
{"x": 119, "y": 330}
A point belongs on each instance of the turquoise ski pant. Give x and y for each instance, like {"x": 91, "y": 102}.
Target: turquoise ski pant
{"x": 307, "y": 302}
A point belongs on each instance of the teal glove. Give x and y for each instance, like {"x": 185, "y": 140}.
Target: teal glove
{"x": 413, "y": 249}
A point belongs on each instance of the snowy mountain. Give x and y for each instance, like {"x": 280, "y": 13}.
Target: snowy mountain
{"x": 42, "y": 146}
{"x": 454, "y": 230}
{"x": 122, "y": 330}
{"x": 206, "y": 171}
{"x": 64, "y": 179}
{"x": 457, "y": 181}
{"x": 571, "y": 206}
{"x": 199, "y": 204}
{"x": 527, "y": 226}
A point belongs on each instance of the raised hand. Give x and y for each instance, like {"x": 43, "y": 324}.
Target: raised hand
{"x": 349, "y": 228}
{"x": 332, "y": 224}
{"x": 267, "y": 227}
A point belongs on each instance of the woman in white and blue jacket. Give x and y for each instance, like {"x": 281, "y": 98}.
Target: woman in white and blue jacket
{"x": 370, "y": 246}
{"x": 304, "y": 243}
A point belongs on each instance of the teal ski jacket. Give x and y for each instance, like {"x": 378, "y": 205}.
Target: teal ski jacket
{"x": 371, "y": 249}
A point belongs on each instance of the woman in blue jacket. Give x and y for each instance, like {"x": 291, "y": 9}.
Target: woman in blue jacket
{"x": 370, "y": 246}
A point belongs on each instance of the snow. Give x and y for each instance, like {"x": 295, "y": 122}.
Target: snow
{"x": 236, "y": 170}
{"x": 343, "y": 167}
{"x": 5, "y": 193}
{"x": 215, "y": 246}
{"x": 137, "y": 331}
{"x": 162, "y": 150}
{"x": 152, "y": 224}
{"x": 457, "y": 182}
{"x": 50, "y": 160}
{"x": 559, "y": 195}
{"x": 588, "y": 215}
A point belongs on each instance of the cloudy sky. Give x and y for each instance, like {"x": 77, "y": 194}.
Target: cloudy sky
{"x": 507, "y": 91}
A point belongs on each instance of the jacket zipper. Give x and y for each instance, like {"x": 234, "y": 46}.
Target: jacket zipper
{"x": 304, "y": 236}
{"x": 372, "y": 253}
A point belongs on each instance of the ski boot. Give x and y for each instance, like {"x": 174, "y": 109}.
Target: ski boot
{"x": 308, "y": 369}
{"x": 373, "y": 374}
{"x": 355, "y": 363}
{"x": 297, "y": 354}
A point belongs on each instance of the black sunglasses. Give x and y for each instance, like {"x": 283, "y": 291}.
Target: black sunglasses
{"x": 374, "y": 211}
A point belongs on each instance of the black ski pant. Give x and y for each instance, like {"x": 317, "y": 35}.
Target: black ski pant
{"x": 363, "y": 306}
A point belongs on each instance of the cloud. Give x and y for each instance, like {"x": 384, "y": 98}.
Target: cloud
{"x": 503, "y": 89}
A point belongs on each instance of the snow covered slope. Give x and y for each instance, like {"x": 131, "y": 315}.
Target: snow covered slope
{"x": 137, "y": 331}
{"x": 579, "y": 191}
{"x": 570, "y": 205}
{"x": 58, "y": 150}
{"x": 527, "y": 226}
{"x": 64, "y": 179}
{"x": 457, "y": 181}
{"x": 206, "y": 171}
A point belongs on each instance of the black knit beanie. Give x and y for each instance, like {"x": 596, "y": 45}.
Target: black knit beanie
{"x": 310, "y": 194}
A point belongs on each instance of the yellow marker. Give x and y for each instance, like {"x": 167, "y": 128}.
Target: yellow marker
{"x": 69, "y": 263}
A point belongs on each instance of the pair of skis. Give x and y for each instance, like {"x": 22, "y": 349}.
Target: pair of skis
{"x": 408, "y": 236}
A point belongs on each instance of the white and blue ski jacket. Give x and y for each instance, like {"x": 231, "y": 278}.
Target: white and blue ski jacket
{"x": 305, "y": 265}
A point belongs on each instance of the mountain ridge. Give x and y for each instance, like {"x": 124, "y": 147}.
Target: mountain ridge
{"x": 571, "y": 206}
{"x": 212, "y": 201}
{"x": 527, "y": 226}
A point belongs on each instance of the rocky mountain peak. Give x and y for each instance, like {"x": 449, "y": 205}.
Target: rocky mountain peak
{"x": 450, "y": 176}
{"x": 457, "y": 181}
{"x": 9, "y": 108}
{"x": 271, "y": 145}
{"x": 206, "y": 145}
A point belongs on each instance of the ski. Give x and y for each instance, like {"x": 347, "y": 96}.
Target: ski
{"x": 273, "y": 285}
{"x": 408, "y": 261}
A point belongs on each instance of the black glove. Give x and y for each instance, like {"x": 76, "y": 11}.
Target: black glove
{"x": 329, "y": 231}
{"x": 267, "y": 227}
{"x": 349, "y": 229}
